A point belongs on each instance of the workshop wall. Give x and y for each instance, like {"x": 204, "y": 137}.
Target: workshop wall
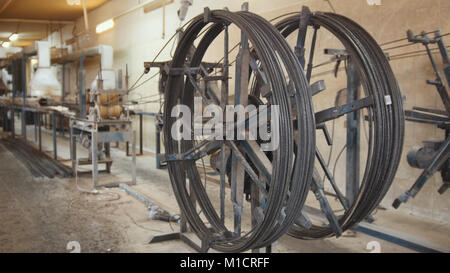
{"x": 137, "y": 37}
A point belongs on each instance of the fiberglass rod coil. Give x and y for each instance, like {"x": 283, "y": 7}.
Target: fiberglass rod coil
{"x": 290, "y": 176}
{"x": 386, "y": 113}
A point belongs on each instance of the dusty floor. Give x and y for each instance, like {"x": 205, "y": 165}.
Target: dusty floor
{"x": 43, "y": 215}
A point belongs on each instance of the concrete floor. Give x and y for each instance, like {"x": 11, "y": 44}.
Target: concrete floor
{"x": 43, "y": 215}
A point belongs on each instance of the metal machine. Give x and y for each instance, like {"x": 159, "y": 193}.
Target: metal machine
{"x": 434, "y": 155}
{"x": 268, "y": 72}
{"x": 101, "y": 126}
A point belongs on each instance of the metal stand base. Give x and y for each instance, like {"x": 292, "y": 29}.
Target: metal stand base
{"x": 205, "y": 245}
{"x": 441, "y": 157}
{"x": 180, "y": 236}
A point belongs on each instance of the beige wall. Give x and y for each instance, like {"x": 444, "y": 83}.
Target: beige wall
{"x": 137, "y": 38}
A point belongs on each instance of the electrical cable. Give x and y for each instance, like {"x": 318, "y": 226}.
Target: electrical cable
{"x": 415, "y": 53}
{"x": 405, "y": 39}
{"x": 396, "y": 47}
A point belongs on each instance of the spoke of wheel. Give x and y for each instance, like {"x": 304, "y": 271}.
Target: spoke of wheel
{"x": 317, "y": 188}
{"x": 196, "y": 87}
{"x": 246, "y": 166}
{"x": 311, "y": 55}
{"x": 303, "y": 220}
{"x": 338, "y": 111}
{"x": 264, "y": 87}
{"x": 210, "y": 148}
{"x": 330, "y": 177}
{"x": 240, "y": 97}
{"x": 223, "y": 104}
{"x": 203, "y": 149}
{"x": 259, "y": 159}
{"x": 254, "y": 119}
{"x": 257, "y": 210}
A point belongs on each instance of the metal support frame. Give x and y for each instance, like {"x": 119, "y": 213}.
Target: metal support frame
{"x": 158, "y": 131}
{"x": 159, "y": 126}
{"x": 24, "y": 97}
{"x": 63, "y": 95}
{"x": 240, "y": 98}
{"x": 35, "y": 121}
{"x": 181, "y": 235}
{"x": 82, "y": 89}
{"x": 141, "y": 134}
{"x": 353, "y": 135}
{"x": 97, "y": 137}
{"x": 40, "y": 130}
{"x": 13, "y": 123}
{"x": 55, "y": 146}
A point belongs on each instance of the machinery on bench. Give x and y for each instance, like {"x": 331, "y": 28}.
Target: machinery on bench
{"x": 107, "y": 122}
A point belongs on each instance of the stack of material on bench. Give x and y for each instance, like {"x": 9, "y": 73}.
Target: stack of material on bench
{"x": 5, "y": 100}
{"x": 39, "y": 164}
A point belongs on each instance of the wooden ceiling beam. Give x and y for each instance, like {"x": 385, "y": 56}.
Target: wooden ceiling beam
{"x": 6, "y": 5}
{"x": 35, "y": 21}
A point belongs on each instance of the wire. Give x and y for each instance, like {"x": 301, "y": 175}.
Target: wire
{"x": 144, "y": 102}
{"x": 135, "y": 86}
{"x": 394, "y": 41}
{"x": 149, "y": 96}
{"x": 404, "y": 39}
{"x": 331, "y": 6}
{"x": 144, "y": 82}
{"x": 140, "y": 77}
{"x": 171, "y": 38}
{"x": 404, "y": 45}
{"x": 414, "y": 53}
{"x": 116, "y": 99}
{"x": 410, "y": 56}
{"x": 400, "y": 46}
{"x": 337, "y": 159}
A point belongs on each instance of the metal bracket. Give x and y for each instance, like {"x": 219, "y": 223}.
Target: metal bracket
{"x": 207, "y": 16}
{"x": 305, "y": 17}
{"x": 318, "y": 87}
{"x": 337, "y": 111}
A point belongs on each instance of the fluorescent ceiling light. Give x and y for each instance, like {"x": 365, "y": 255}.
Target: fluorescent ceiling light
{"x": 73, "y": 2}
{"x": 107, "y": 25}
{"x": 14, "y": 37}
{"x": 34, "y": 61}
{"x": 6, "y": 44}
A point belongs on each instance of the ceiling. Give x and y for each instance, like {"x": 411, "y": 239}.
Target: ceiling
{"x": 49, "y": 10}
{"x": 46, "y": 9}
